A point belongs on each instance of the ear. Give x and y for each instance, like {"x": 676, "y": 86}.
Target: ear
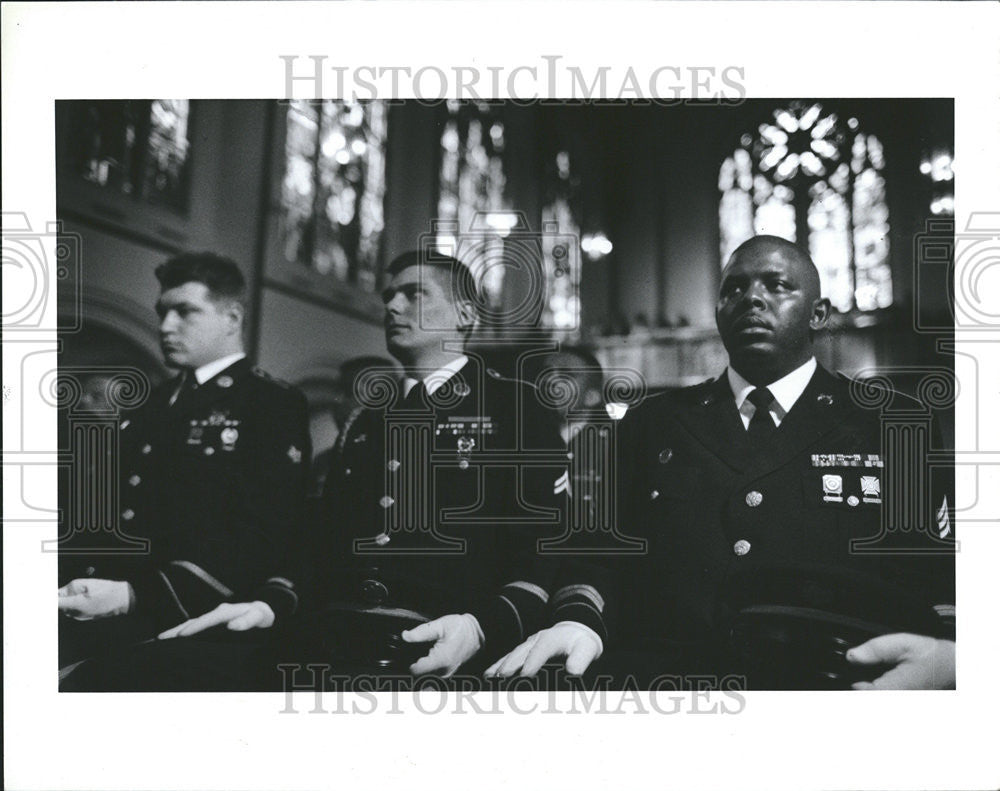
{"x": 234, "y": 313}
{"x": 820, "y": 314}
{"x": 466, "y": 311}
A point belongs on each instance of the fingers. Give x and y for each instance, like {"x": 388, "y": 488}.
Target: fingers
{"x": 424, "y": 633}
{"x": 511, "y": 663}
{"x": 73, "y": 588}
{"x": 579, "y": 659}
{"x": 434, "y": 662}
{"x": 545, "y": 649}
{"x": 220, "y": 614}
{"x": 76, "y": 606}
{"x": 885, "y": 649}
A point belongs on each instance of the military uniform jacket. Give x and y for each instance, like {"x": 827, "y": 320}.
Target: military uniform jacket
{"x": 216, "y": 482}
{"x": 439, "y": 508}
{"x": 713, "y": 508}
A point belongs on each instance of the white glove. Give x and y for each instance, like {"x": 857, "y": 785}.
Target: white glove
{"x": 87, "y": 599}
{"x": 580, "y": 644}
{"x": 237, "y": 617}
{"x": 918, "y": 662}
{"x": 456, "y": 638}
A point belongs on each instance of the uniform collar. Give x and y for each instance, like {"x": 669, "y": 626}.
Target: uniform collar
{"x": 786, "y": 390}
{"x": 436, "y": 378}
{"x": 207, "y": 371}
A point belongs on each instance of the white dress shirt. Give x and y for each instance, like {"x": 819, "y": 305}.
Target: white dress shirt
{"x": 786, "y": 392}
{"x": 437, "y": 378}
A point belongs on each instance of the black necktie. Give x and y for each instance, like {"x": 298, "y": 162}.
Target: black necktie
{"x": 188, "y": 385}
{"x": 761, "y": 425}
{"x": 415, "y": 400}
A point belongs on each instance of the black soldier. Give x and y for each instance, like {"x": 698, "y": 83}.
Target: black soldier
{"x": 760, "y": 495}
{"x": 214, "y": 470}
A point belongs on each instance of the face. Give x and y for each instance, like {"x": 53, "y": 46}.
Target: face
{"x": 194, "y": 329}
{"x": 769, "y": 302}
{"x": 419, "y": 314}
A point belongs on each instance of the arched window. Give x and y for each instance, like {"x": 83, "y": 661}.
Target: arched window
{"x": 333, "y": 188}
{"x": 811, "y": 177}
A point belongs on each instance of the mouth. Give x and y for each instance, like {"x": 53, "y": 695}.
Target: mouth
{"x": 395, "y": 329}
{"x": 751, "y": 324}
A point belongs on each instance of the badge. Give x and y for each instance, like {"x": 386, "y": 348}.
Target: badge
{"x": 833, "y": 489}
{"x": 216, "y": 418}
{"x": 224, "y": 381}
{"x": 871, "y": 489}
{"x": 294, "y": 454}
{"x": 825, "y": 398}
{"x": 462, "y": 389}
{"x": 465, "y": 446}
{"x": 194, "y": 438}
{"x": 229, "y": 437}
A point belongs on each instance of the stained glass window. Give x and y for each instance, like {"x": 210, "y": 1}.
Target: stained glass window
{"x": 807, "y": 175}
{"x": 472, "y": 181}
{"x": 136, "y": 147}
{"x": 333, "y": 191}
{"x": 936, "y": 165}
{"x": 562, "y": 264}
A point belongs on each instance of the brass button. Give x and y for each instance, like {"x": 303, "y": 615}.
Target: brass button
{"x": 741, "y": 547}
{"x": 90, "y": 571}
{"x": 393, "y": 465}
{"x": 347, "y": 471}
{"x": 852, "y": 501}
{"x": 666, "y": 455}
{"x": 135, "y": 480}
{"x": 387, "y": 502}
{"x": 209, "y": 451}
{"x": 754, "y": 499}
{"x": 147, "y": 449}
{"x": 374, "y": 592}
{"x": 654, "y": 494}
{"x": 126, "y": 423}
{"x": 128, "y": 514}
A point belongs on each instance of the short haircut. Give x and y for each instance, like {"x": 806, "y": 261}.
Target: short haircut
{"x": 460, "y": 284}
{"x": 219, "y": 274}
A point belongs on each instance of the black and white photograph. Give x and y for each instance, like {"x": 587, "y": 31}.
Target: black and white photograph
{"x": 396, "y": 388}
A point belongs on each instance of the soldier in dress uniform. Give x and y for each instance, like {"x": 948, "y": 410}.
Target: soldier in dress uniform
{"x": 214, "y": 470}
{"x": 438, "y": 494}
{"x": 788, "y": 539}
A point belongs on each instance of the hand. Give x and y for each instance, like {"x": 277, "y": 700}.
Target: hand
{"x": 578, "y": 643}
{"x": 456, "y": 638}
{"x": 237, "y": 618}
{"x": 87, "y": 599}
{"x": 917, "y": 662}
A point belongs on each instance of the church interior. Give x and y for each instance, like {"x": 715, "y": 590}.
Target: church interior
{"x": 602, "y": 225}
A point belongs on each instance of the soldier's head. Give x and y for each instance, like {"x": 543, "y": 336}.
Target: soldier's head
{"x": 430, "y": 300}
{"x": 200, "y": 308}
{"x": 769, "y": 308}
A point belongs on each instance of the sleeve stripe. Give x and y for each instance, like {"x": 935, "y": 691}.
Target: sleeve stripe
{"x": 517, "y": 615}
{"x": 204, "y": 576}
{"x": 173, "y": 595}
{"x": 586, "y": 591}
{"x": 531, "y": 588}
{"x": 945, "y": 611}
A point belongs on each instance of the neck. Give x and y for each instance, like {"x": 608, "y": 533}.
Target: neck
{"x": 419, "y": 365}
{"x": 762, "y": 372}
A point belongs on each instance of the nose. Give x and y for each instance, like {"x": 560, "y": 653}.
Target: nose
{"x": 754, "y": 296}
{"x": 168, "y": 322}
{"x": 396, "y": 305}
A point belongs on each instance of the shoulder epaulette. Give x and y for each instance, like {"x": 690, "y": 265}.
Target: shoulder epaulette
{"x": 260, "y": 373}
